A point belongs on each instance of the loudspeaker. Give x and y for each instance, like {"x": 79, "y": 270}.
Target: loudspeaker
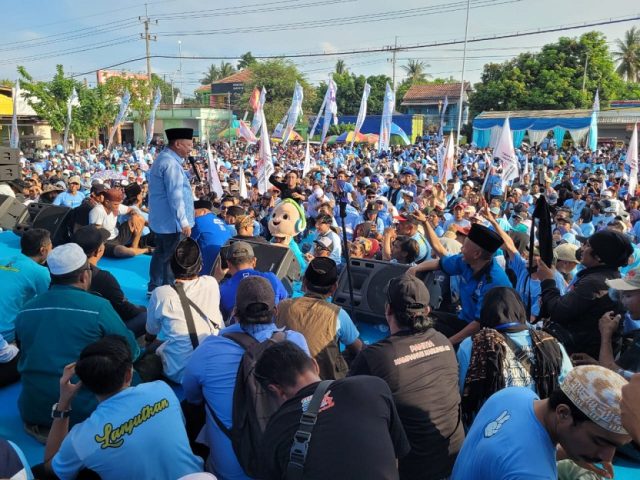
{"x": 273, "y": 258}
{"x": 370, "y": 279}
{"x": 11, "y": 212}
{"x": 58, "y": 220}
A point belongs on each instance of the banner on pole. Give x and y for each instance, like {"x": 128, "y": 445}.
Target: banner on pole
{"x": 152, "y": 115}
{"x": 387, "y": 117}
{"x": 362, "y": 112}
{"x": 124, "y": 105}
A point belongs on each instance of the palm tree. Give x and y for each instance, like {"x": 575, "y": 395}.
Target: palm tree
{"x": 416, "y": 70}
{"x": 225, "y": 69}
{"x": 628, "y": 55}
{"x": 341, "y": 67}
{"x": 211, "y": 75}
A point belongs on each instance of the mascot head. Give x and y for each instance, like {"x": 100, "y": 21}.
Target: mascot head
{"x": 287, "y": 219}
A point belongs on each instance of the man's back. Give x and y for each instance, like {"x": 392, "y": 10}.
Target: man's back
{"x": 357, "y": 435}
{"x": 137, "y": 433}
{"x": 229, "y": 287}
{"x": 52, "y": 330}
{"x": 422, "y": 373}
{"x": 210, "y": 233}
{"x": 507, "y": 440}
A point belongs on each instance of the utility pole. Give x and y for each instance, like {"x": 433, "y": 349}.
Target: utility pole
{"x": 395, "y": 49}
{"x": 147, "y": 37}
{"x": 230, "y": 117}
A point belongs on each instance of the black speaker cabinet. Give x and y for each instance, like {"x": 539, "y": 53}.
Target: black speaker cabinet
{"x": 58, "y": 220}
{"x": 12, "y": 212}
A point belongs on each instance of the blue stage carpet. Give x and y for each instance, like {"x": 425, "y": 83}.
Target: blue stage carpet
{"x": 132, "y": 274}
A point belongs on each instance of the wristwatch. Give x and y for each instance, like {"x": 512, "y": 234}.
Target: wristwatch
{"x": 55, "y": 413}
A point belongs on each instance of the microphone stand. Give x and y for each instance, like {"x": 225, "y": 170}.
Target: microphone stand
{"x": 345, "y": 248}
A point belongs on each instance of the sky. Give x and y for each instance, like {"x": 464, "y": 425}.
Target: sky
{"x": 87, "y": 35}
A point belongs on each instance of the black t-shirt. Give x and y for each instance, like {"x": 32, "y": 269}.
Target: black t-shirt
{"x": 81, "y": 212}
{"x": 358, "y": 433}
{"x": 106, "y": 285}
{"x": 422, "y": 372}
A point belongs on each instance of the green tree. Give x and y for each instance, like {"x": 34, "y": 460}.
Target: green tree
{"x": 376, "y": 96}
{"x": 415, "y": 70}
{"x": 341, "y": 67}
{"x": 211, "y": 75}
{"x": 278, "y": 77}
{"x": 628, "y": 55}
{"x": 225, "y": 69}
{"x": 550, "y": 79}
{"x": 5, "y": 82}
{"x": 246, "y": 61}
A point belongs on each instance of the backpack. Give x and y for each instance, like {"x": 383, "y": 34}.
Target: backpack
{"x": 253, "y": 405}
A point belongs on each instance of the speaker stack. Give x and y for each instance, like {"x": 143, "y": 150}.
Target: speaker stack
{"x": 57, "y": 219}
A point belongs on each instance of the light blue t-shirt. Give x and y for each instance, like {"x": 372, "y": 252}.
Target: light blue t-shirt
{"x": 137, "y": 433}
{"x": 21, "y": 279}
{"x": 507, "y": 441}
{"x": 65, "y": 199}
{"x": 346, "y": 330}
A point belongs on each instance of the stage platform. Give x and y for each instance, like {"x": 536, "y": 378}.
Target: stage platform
{"x": 132, "y": 274}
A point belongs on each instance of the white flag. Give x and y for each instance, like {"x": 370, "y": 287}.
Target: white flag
{"x": 265, "y": 162}
{"x": 320, "y": 112}
{"x": 152, "y": 115}
{"x": 257, "y": 115}
{"x": 387, "y": 117}
{"x": 307, "y": 160}
{"x": 122, "y": 113}
{"x": 294, "y": 112}
{"x": 243, "y": 184}
{"x": 178, "y": 100}
{"x": 15, "y": 134}
{"x": 362, "y": 113}
{"x": 506, "y": 154}
{"x": 330, "y": 110}
{"x": 214, "y": 178}
{"x": 632, "y": 161}
{"x": 71, "y": 102}
{"x": 448, "y": 160}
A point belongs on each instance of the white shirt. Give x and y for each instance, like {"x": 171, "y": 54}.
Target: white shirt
{"x": 165, "y": 317}
{"x": 99, "y": 216}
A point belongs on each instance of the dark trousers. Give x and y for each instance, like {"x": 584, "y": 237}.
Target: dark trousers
{"x": 137, "y": 324}
{"x": 9, "y": 372}
{"x": 447, "y": 324}
{"x": 160, "y": 269}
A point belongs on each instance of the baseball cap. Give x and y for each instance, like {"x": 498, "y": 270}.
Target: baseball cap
{"x": 567, "y": 252}
{"x": 98, "y": 188}
{"x": 90, "y": 238}
{"x": 631, "y": 281}
{"x": 596, "y": 391}
{"x": 406, "y": 217}
{"x": 324, "y": 243}
{"x": 66, "y": 258}
{"x": 254, "y": 294}
{"x": 321, "y": 272}
{"x": 239, "y": 250}
{"x": 75, "y": 179}
{"x": 407, "y": 294}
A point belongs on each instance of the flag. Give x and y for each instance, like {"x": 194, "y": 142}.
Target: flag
{"x": 71, "y": 102}
{"x": 442, "y": 114}
{"x": 593, "y": 130}
{"x": 448, "y": 160}
{"x": 294, "y": 112}
{"x": 214, "y": 180}
{"x": 152, "y": 115}
{"x": 387, "y": 117}
{"x": 307, "y": 160}
{"x": 322, "y": 107}
{"x": 596, "y": 101}
{"x": 254, "y": 100}
{"x": 632, "y": 161}
{"x": 15, "y": 134}
{"x": 257, "y": 115}
{"x": 362, "y": 113}
{"x": 265, "y": 161}
{"x": 179, "y": 100}
{"x": 506, "y": 154}
{"x": 124, "y": 105}
{"x": 330, "y": 109}
{"x": 243, "y": 184}
{"x": 245, "y": 132}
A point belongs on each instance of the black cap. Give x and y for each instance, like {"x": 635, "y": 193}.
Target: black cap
{"x": 485, "y": 238}
{"x": 187, "y": 258}
{"x": 238, "y": 250}
{"x": 407, "y": 294}
{"x": 98, "y": 188}
{"x": 90, "y": 238}
{"x": 321, "y": 272}
{"x": 179, "y": 134}
{"x": 254, "y": 294}
{"x": 613, "y": 248}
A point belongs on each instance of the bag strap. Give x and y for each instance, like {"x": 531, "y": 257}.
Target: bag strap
{"x": 186, "y": 307}
{"x": 302, "y": 437}
{"x": 519, "y": 353}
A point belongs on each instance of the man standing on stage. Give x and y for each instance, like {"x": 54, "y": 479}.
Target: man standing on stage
{"x": 171, "y": 213}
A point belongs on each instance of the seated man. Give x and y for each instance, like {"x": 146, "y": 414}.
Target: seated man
{"x": 53, "y": 328}
{"x": 323, "y": 227}
{"x": 114, "y": 441}
{"x": 322, "y": 323}
{"x": 211, "y": 373}
{"x": 166, "y": 312}
{"x": 81, "y": 214}
{"x": 124, "y": 240}
{"x": 357, "y": 434}
{"x": 210, "y": 232}
{"x": 73, "y": 197}
{"x": 242, "y": 263}
{"x": 92, "y": 241}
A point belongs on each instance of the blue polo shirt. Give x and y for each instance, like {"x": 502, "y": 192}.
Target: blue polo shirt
{"x": 229, "y": 287}
{"x": 211, "y": 233}
{"x": 473, "y": 287}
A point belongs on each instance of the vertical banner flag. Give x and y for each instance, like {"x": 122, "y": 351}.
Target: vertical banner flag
{"x": 245, "y": 132}
{"x": 152, "y": 115}
{"x": 362, "y": 113}
{"x": 448, "y": 160}
{"x": 593, "y": 130}
{"x": 442, "y": 114}
{"x": 265, "y": 161}
{"x": 632, "y": 161}
{"x": 14, "y": 141}
{"x": 242, "y": 183}
{"x": 387, "y": 116}
{"x": 506, "y": 154}
{"x": 214, "y": 179}
{"x": 330, "y": 109}
{"x": 322, "y": 107}
{"x": 124, "y": 105}
{"x": 294, "y": 112}
{"x": 71, "y": 102}
{"x": 257, "y": 115}
{"x": 307, "y": 160}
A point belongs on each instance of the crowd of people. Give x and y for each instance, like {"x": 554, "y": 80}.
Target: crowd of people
{"x": 524, "y": 368}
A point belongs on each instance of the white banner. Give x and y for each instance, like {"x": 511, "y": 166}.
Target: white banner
{"x": 124, "y": 105}
{"x": 387, "y": 117}
{"x": 71, "y": 102}
{"x": 362, "y": 113}
{"x": 307, "y": 160}
{"x": 330, "y": 110}
{"x": 448, "y": 160}
{"x": 14, "y": 141}
{"x": 506, "y": 154}
{"x": 294, "y": 112}
{"x": 257, "y": 115}
{"x": 152, "y": 115}
{"x": 214, "y": 178}
{"x": 632, "y": 161}
{"x": 243, "y": 184}
{"x": 265, "y": 161}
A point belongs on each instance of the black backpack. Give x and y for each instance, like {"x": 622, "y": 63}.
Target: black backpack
{"x": 253, "y": 405}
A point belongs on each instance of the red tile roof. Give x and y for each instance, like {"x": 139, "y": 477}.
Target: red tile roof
{"x": 433, "y": 93}
{"x": 203, "y": 88}
{"x": 239, "y": 77}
